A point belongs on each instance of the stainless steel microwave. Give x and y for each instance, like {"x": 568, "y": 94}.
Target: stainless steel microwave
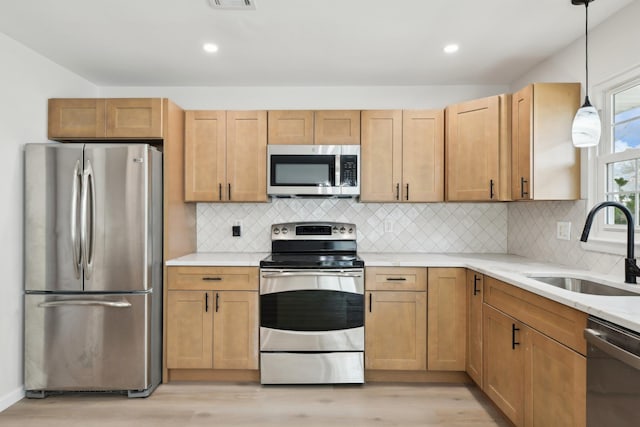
{"x": 313, "y": 170}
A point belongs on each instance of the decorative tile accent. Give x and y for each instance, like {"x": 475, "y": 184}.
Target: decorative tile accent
{"x": 417, "y": 227}
{"x": 532, "y": 233}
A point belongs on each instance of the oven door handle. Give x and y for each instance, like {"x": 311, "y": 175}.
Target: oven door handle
{"x": 595, "y": 338}
{"x": 309, "y": 274}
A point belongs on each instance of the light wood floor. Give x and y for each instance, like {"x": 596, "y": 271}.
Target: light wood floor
{"x": 254, "y": 405}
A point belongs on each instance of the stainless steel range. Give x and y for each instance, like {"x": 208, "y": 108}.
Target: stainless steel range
{"x": 312, "y": 305}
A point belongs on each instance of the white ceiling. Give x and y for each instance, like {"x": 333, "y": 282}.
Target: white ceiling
{"x": 298, "y": 42}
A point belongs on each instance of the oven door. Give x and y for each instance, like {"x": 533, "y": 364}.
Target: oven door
{"x": 312, "y": 310}
{"x": 303, "y": 170}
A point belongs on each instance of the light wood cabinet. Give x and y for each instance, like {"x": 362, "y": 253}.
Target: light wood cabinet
{"x": 478, "y": 148}
{"x": 504, "y": 363}
{"x": 327, "y": 127}
{"x": 474, "y": 326}
{"x": 545, "y": 164}
{"x": 111, "y": 118}
{"x": 402, "y": 156}
{"x": 533, "y": 370}
{"x": 225, "y": 156}
{"x": 446, "y": 319}
{"x": 396, "y": 319}
{"x": 554, "y": 383}
{"x": 212, "y": 318}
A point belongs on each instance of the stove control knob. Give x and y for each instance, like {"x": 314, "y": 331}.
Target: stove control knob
{"x": 285, "y": 230}
{"x": 342, "y": 230}
{"x": 276, "y": 230}
{"x": 335, "y": 229}
{"x": 350, "y": 230}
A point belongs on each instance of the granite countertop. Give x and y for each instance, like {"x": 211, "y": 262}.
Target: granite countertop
{"x": 622, "y": 310}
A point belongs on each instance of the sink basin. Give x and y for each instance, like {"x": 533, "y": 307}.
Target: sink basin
{"x": 584, "y": 286}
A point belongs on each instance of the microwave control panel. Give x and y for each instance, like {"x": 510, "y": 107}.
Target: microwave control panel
{"x": 348, "y": 171}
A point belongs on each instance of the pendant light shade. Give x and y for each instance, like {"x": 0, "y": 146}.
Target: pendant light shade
{"x": 586, "y": 128}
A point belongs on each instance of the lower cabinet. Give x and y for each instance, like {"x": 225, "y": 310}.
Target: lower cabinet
{"x": 211, "y": 326}
{"x": 534, "y": 379}
{"x": 396, "y": 319}
{"x": 474, "y": 326}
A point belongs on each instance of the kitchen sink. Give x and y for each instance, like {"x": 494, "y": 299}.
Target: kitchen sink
{"x": 584, "y": 286}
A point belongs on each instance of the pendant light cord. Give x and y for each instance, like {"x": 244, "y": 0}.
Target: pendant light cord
{"x": 586, "y": 47}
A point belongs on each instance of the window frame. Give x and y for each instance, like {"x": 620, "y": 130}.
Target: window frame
{"x": 608, "y": 238}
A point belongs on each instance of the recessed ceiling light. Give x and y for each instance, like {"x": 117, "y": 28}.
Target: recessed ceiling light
{"x": 451, "y": 48}
{"x": 210, "y": 47}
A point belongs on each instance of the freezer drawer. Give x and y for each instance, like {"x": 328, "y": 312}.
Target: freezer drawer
{"x": 82, "y": 342}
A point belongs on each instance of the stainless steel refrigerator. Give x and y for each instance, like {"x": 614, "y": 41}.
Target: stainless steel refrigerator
{"x": 93, "y": 268}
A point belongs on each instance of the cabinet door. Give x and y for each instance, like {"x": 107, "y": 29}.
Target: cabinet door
{"x": 474, "y": 326}
{"x": 477, "y": 145}
{"x": 395, "y": 331}
{"x": 423, "y": 155}
{"x": 247, "y": 156}
{"x": 72, "y": 118}
{"x": 503, "y": 360}
{"x": 340, "y": 127}
{"x": 189, "y": 330}
{"x": 521, "y": 139}
{"x": 235, "y": 330}
{"x": 290, "y": 127}
{"x": 447, "y": 319}
{"x": 205, "y": 156}
{"x": 134, "y": 118}
{"x": 555, "y": 383}
{"x": 381, "y": 156}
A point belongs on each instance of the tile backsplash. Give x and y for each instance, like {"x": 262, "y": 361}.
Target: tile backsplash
{"x": 532, "y": 233}
{"x": 417, "y": 227}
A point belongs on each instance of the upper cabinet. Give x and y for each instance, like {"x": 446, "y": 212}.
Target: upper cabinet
{"x": 545, "y": 164}
{"x": 402, "y": 156}
{"x": 225, "y": 156}
{"x": 112, "y": 118}
{"x": 327, "y": 127}
{"x": 478, "y": 150}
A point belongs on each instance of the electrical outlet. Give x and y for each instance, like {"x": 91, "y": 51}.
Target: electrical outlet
{"x": 388, "y": 226}
{"x": 235, "y": 231}
{"x": 563, "y": 230}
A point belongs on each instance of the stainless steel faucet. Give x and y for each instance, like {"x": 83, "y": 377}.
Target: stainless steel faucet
{"x": 631, "y": 270}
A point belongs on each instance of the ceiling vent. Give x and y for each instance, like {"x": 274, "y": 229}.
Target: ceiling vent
{"x": 233, "y": 4}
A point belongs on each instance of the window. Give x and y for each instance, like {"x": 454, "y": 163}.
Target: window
{"x": 618, "y": 162}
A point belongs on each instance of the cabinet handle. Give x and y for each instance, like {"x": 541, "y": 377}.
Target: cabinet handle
{"x": 522, "y": 183}
{"x": 398, "y": 191}
{"x": 370, "y": 302}
{"x": 206, "y": 302}
{"x": 491, "y": 189}
{"x": 514, "y": 343}
{"x": 219, "y": 191}
{"x": 407, "y": 195}
{"x": 229, "y": 191}
{"x": 212, "y": 279}
{"x": 476, "y": 279}
{"x": 217, "y": 301}
{"x": 396, "y": 279}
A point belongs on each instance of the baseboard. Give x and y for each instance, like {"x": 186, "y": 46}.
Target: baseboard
{"x": 11, "y": 398}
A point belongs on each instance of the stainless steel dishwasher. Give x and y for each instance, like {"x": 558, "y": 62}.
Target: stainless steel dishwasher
{"x": 613, "y": 375}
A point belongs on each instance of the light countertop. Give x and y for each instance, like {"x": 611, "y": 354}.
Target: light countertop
{"x": 622, "y": 310}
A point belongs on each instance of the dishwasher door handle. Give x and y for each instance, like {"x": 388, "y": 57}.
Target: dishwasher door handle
{"x": 595, "y": 338}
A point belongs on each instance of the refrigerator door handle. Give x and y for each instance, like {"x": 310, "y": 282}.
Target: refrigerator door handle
{"x": 114, "y": 304}
{"x": 87, "y": 221}
{"x": 75, "y": 199}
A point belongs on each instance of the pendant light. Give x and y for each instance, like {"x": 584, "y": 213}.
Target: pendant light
{"x": 586, "y": 128}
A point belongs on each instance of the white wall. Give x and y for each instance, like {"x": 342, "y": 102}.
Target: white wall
{"x": 613, "y": 50}
{"x": 26, "y": 81}
{"x": 331, "y": 97}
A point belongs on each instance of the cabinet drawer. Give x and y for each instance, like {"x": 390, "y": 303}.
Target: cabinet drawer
{"x": 395, "y": 279}
{"x": 218, "y": 278}
{"x": 562, "y": 323}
